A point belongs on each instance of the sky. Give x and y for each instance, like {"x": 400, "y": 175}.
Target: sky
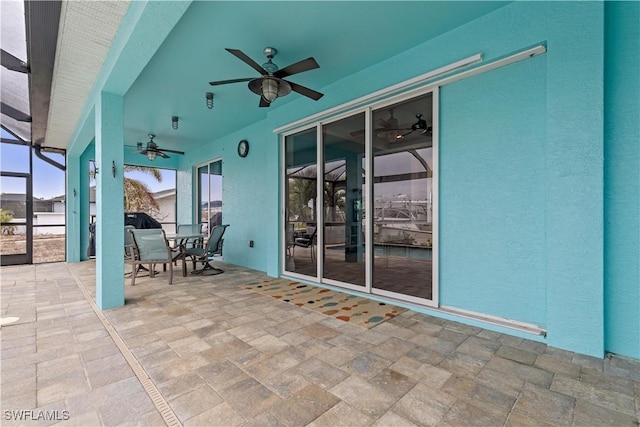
{"x": 49, "y": 181}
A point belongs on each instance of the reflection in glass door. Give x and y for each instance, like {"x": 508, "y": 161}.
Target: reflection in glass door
{"x": 300, "y": 203}
{"x": 209, "y": 197}
{"x": 344, "y": 189}
{"x": 359, "y": 196}
{"x": 402, "y": 198}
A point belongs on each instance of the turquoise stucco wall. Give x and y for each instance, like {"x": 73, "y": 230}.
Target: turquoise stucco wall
{"x": 522, "y": 153}
{"x": 250, "y": 195}
{"x": 493, "y": 193}
{"x": 622, "y": 178}
{"x": 539, "y": 171}
{"x": 549, "y": 233}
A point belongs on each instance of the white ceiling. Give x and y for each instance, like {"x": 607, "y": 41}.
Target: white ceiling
{"x": 87, "y": 29}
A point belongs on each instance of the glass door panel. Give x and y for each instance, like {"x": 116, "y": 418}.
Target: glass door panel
{"x": 203, "y": 192}
{"x": 344, "y": 187}
{"x": 49, "y": 210}
{"x": 15, "y": 213}
{"x": 209, "y": 212}
{"x": 402, "y": 198}
{"x": 300, "y": 203}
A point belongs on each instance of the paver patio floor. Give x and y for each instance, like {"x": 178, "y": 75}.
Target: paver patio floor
{"x": 207, "y": 352}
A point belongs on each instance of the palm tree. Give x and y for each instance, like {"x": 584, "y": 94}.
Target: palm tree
{"x": 302, "y": 189}
{"x": 137, "y": 195}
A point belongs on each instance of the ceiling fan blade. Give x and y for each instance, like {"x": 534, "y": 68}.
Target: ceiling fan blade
{"x": 253, "y": 64}
{"x": 305, "y": 91}
{"x": 161, "y": 154}
{"x": 264, "y": 102}
{"x": 298, "y": 67}
{"x": 171, "y": 151}
{"x": 224, "y": 82}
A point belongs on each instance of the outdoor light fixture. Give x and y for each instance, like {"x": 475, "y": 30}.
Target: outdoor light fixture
{"x": 174, "y": 122}
{"x": 209, "y": 97}
{"x": 151, "y": 155}
{"x": 269, "y": 88}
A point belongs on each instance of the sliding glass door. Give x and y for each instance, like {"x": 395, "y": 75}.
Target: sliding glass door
{"x": 301, "y": 216}
{"x": 209, "y": 198}
{"x": 403, "y": 198}
{"x": 359, "y": 195}
{"x": 344, "y": 190}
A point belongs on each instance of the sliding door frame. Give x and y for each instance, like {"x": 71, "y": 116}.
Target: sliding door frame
{"x": 369, "y": 205}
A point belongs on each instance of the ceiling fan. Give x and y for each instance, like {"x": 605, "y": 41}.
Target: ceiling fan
{"x": 152, "y": 150}
{"x": 390, "y": 130}
{"x": 271, "y": 84}
{"x": 421, "y": 126}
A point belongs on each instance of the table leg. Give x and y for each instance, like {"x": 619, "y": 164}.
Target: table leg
{"x": 183, "y": 256}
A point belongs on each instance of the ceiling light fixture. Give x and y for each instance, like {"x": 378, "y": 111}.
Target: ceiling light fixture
{"x": 151, "y": 155}
{"x": 270, "y": 88}
{"x": 174, "y": 122}
{"x": 209, "y": 97}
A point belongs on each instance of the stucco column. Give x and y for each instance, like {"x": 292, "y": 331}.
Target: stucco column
{"x": 72, "y": 207}
{"x": 109, "y": 146}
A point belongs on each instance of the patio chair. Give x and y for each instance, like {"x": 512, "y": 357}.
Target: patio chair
{"x": 129, "y": 247}
{"x": 307, "y": 241}
{"x": 290, "y": 237}
{"x": 185, "y": 230}
{"x": 151, "y": 247}
{"x": 212, "y": 248}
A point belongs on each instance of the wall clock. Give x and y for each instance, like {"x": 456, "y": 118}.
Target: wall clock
{"x": 243, "y": 148}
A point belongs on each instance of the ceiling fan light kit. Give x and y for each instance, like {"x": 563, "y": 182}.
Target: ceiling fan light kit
{"x": 270, "y": 88}
{"x": 271, "y": 84}
{"x": 152, "y": 150}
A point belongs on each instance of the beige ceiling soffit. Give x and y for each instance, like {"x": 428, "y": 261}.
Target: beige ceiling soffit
{"x": 87, "y": 30}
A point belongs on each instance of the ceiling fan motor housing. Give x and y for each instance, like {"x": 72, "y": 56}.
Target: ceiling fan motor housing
{"x": 270, "y": 52}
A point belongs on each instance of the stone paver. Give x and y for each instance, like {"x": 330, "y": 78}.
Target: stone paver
{"x": 221, "y": 355}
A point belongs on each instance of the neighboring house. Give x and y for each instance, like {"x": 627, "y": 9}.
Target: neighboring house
{"x": 166, "y": 214}
{"x": 59, "y": 203}
{"x": 15, "y": 203}
{"x": 48, "y": 214}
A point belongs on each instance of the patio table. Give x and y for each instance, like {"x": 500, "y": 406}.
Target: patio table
{"x": 181, "y": 240}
